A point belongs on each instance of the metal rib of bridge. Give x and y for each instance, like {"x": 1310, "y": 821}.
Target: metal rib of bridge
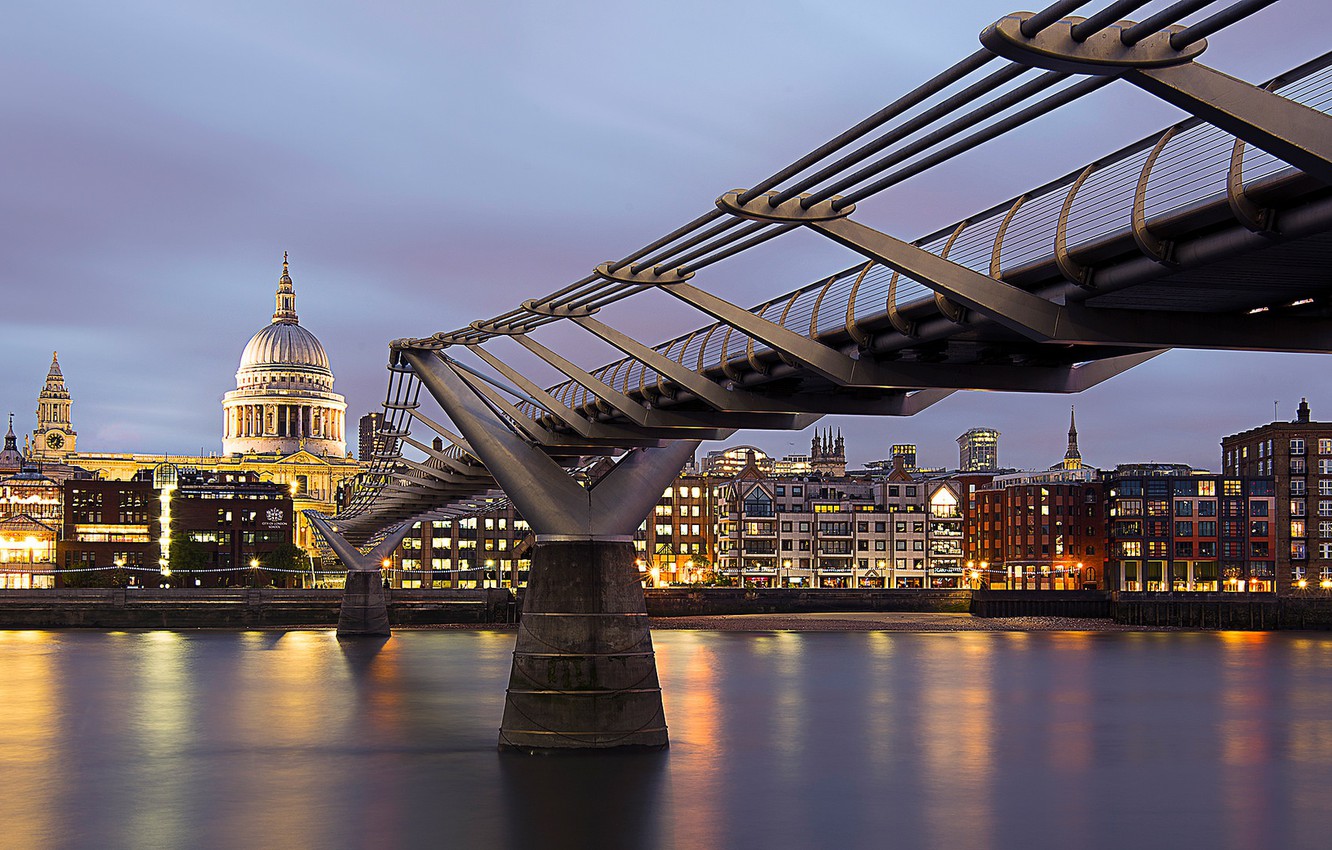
{"x": 1211, "y": 234}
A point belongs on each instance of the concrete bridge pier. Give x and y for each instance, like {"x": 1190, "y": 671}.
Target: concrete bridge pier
{"x": 584, "y": 674}
{"x": 364, "y": 610}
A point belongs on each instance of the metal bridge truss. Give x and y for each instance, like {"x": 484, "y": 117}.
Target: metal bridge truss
{"x": 1214, "y": 234}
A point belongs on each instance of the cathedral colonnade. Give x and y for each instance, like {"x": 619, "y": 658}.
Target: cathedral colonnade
{"x": 310, "y": 421}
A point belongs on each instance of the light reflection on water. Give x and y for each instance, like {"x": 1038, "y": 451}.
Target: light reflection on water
{"x": 965, "y": 740}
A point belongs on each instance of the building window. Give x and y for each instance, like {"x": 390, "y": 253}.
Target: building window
{"x": 1324, "y": 508}
{"x": 1297, "y": 446}
{"x": 1129, "y": 507}
{"x": 1206, "y": 488}
{"x": 1183, "y": 507}
{"x": 1297, "y": 507}
{"x": 1297, "y": 487}
{"x": 1297, "y": 528}
{"x": 1324, "y": 446}
{"x": 1233, "y": 487}
{"x": 1325, "y": 551}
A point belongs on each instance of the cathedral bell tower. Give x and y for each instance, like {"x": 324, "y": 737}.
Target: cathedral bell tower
{"x": 53, "y": 439}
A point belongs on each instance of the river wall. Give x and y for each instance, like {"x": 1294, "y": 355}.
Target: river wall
{"x": 157, "y": 608}
{"x": 144, "y": 608}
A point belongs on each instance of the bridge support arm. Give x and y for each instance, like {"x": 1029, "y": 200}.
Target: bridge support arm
{"x": 1284, "y": 128}
{"x": 364, "y": 608}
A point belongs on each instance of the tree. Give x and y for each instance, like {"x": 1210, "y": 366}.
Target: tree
{"x": 285, "y": 560}
{"x": 186, "y": 555}
{"x": 287, "y": 556}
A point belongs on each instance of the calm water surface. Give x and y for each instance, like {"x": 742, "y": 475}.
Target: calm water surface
{"x": 779, "y": 740}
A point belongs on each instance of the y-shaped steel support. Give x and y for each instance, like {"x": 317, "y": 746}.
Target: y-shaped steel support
{"x": 584, "y": 673}
{"x": 364, "y": 609}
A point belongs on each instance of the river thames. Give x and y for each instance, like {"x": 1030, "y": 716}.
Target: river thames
{"x": 778, "y": 740}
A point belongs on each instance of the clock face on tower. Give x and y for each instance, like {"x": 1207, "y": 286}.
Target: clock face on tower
{"x": 55, "y": 440}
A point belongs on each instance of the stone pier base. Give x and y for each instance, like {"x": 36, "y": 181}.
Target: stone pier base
{"x": 364, "y": 609}
{"x": 584, "y": 674}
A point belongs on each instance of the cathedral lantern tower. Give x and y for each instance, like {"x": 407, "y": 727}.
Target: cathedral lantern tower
{"x": 284, "y": 400}
{"x": 54, "y": 437}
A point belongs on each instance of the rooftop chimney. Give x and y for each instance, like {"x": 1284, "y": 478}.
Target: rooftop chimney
{"x": 1302, "y": 414}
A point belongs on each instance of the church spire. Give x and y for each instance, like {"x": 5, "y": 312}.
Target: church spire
{"x": 1072, "y": 457}
{"x": 286, "y": 298}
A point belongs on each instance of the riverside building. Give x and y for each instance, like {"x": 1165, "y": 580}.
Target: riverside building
{"x": 1297, "y": 457}
{"x": 1172, "y": 529}
{"x": 820, "y": 532}
{"x": 1042, "y": 530}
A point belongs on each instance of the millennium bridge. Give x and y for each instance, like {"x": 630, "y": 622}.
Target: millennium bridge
{"x": 1214, "y": 233}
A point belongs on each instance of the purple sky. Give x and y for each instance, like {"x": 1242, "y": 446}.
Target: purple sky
{"x": 427, "y": 164}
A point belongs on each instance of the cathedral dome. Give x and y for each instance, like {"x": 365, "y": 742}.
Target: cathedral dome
{"x": 284, "y": 399}
{"x": 284, "y": 344}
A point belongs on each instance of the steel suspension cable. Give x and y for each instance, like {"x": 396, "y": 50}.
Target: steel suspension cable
{"x": 1104, "y": 18}
{"x": 1209, "y": 25}
{"x": 1155, "y": 23}
{"x": 1042, "y": 19}
{"x": 938, "y": 83}
{"x": 1008, "y": 100}
{"x": 1053, "y": 102}
{"x": 968, "y": 95}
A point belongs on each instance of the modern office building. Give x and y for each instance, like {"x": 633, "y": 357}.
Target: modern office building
{"x": 112, "y": 533}
{"x": 978, "y": 450}
{"x": 490, "y": 549}
{"x": 367, "y": 427}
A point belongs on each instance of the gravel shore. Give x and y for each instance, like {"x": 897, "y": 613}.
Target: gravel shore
{"x": 867, "y": 622}
{"x": 893, "y": 622}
